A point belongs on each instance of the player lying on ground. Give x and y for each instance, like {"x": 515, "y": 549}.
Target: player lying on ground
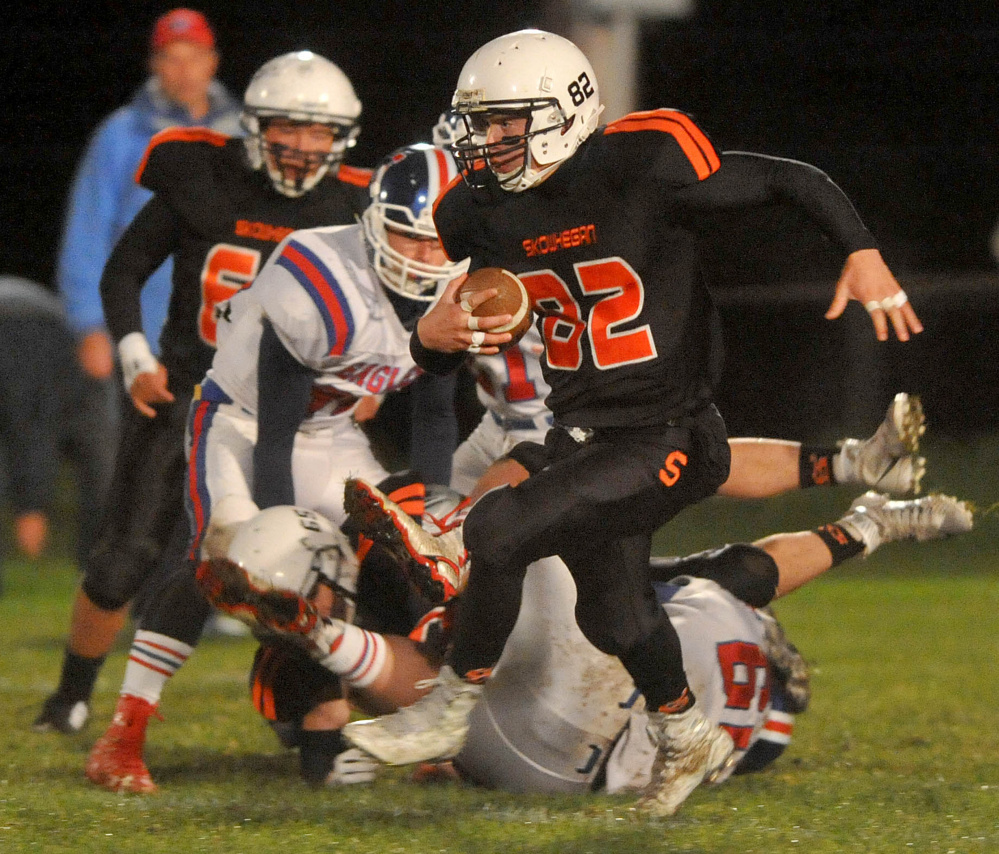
{"x": 557, "y": 715}
{"x": 888, "y": 456}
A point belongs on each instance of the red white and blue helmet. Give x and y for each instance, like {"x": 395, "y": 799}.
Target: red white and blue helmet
{"x": 403, "y": 191}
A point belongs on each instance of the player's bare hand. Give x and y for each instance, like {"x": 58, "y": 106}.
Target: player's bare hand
{"x": 150, "y": 388}
{"x": 867, "y": 279}
{"x": 451, "y": 327}
{"x": 367, "y": 408}
{"x": 31, "y": 530}
{"x": 95, "y": 354}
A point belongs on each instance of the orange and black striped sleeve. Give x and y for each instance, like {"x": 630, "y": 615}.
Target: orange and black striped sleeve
{"x": 161, "y": 141}
{"x": 692, "y": 141}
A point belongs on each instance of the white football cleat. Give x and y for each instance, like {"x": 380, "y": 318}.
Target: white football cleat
{"x": 887, "y": 461}
{"x": 690, "y": 750}
{"x": 351, "y": 767}
{"x": 876, "y": 519}
{"x": 434, "y": 727}
{"x": 436, "y": 565}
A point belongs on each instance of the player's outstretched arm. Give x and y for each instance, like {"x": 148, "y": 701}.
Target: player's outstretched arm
{"x": 867, "y": 279}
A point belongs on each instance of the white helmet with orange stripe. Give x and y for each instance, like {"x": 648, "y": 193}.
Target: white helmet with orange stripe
{"x": 528, "y": 99}
{"x": 403, "y": 191}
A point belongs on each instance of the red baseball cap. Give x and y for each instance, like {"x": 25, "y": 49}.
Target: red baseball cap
{"x": 182, "y": 25}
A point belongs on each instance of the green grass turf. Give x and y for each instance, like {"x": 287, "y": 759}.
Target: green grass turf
{"x": 898, "y": 752}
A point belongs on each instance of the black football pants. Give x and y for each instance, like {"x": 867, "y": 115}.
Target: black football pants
{"x": 596, "y": 505}
{"x": 144, "y": 507}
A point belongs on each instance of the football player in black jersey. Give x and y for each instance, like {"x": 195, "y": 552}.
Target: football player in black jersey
{"x": 600, "y": 225}
{"x": 221, "y": 205}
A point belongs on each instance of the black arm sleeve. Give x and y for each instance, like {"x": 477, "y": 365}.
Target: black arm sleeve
{"x": 434, "y": 428}
{"x": 284, "y": 387}
{"x": 433, "y": 361}
{"x": 147, "y": 242}
{"x": 750, "y": 180}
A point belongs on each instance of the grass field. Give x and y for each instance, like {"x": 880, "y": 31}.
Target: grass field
{"x": 899, "y": 751}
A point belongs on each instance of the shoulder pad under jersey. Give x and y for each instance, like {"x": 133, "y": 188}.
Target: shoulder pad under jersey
{"x": 177, "y": 155}
{"x": 694, "y": 143}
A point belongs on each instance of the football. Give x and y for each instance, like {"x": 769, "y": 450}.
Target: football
{"x": 511, "y": 299}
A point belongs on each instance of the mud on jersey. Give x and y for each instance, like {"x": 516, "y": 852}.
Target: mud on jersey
{"x": 229, "y": 219}
{"x": 551, "y": 714}
{"x": 611, "y": 265}
{"x": 330, "y": 312}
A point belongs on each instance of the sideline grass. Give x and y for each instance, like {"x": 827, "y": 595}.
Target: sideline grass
{"x": 898, "y": 752}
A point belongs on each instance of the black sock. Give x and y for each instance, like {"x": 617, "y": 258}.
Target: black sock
{"x": 656, "y": 666}
{"x": 839, "y": 542}
{"x": 815, "y": 466}
{"x": 79, "y": 673}
{"x": 318, "y": 750}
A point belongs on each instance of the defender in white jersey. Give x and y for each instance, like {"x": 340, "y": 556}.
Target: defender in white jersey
{"x": 322, "y": 302}
{"x": 330, "y": 313}
{"x": 560, "y": 716}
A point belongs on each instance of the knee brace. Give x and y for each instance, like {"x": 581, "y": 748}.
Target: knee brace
{"x": 745, "y": 571}
{"x": 116, "y": 572}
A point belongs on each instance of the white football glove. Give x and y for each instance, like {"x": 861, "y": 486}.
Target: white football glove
{"x": 353, "y": 766}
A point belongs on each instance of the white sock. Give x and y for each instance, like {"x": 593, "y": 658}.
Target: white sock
{"x": 354, "y": 654}
{"x": 152, "y": 660}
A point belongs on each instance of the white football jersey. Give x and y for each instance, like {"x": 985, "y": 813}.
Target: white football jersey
{"x": 510, "y": 383}
{"x": 512, "y": 390}
{"x": 324, "y": 301}
{"x": 555, "y": 706}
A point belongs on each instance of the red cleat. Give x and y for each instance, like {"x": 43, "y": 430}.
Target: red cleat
{"x": 115, "y": 761}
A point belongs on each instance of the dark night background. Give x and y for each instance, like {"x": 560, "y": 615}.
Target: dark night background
{"x": 896, "y": 102}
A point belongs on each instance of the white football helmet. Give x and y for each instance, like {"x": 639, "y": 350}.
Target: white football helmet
{"x": 292, "y": 548}
{"x": 527, "y": 74}
{"x": 299, "y": 87}
{"x": 403, "y": 191}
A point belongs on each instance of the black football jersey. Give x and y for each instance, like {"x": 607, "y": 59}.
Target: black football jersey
{"x": 220, "y": 220}
{"x": 631, "y": 335}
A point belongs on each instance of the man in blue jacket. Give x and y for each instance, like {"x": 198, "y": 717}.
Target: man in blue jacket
{"x": 104, "y": 199}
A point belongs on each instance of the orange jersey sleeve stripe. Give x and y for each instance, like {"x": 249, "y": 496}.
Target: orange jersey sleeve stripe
{"x": 354, "y": 175}
{"x": 698, "y": 148}
{"x": 212, "y": 137}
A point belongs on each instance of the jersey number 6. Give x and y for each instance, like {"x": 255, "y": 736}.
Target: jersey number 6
{"x": 227, "y": 269}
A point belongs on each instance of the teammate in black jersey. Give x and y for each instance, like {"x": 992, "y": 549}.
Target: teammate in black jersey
{"x": 600, "y": 224}
{"x": 220, "y": 207}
